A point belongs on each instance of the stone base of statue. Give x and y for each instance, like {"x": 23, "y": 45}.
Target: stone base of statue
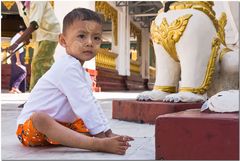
{"x": 146, "y": 112}
{"x": 194, "y": 135}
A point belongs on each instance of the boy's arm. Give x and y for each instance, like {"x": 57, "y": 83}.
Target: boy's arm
{"x": 80, "y": 97}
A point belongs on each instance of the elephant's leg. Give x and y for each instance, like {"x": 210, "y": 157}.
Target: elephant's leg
{"x": 167, "y": 76}
{"x": 197, "y": 51}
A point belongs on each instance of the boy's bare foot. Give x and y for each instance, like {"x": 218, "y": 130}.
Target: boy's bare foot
{"x": 127, "y": 138}
{"x": 109, "y": 133}
{"x": 116, "y": 145}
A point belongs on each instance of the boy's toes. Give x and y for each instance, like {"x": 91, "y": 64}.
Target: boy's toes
{"x": 120, "y": 138}
{"x": 121, "y": 152}
{"x": 124, "y": 148}
{"x": 125, "y": 143}
{"x": 128, "y": 138}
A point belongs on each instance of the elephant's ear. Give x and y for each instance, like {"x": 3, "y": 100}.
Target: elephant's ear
{"x": 221, "y": 25}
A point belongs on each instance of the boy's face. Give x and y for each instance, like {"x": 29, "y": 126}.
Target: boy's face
{"x": 82, "y": 39}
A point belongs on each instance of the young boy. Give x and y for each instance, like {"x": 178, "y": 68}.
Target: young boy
{"x": 62, "y": 103}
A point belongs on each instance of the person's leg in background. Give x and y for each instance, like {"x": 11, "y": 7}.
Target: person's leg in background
{"x": 42, "y": 60}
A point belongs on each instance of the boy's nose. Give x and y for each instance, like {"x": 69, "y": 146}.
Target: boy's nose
{"x": 89, "y": 41}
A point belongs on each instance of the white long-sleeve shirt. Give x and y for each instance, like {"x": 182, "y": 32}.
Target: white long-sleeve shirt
{"x": 64, "y": 93}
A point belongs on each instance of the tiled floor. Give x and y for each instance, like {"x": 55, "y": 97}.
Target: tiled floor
{"x": 143, "y": 148}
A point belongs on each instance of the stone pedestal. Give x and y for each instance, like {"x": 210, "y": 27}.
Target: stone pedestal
{"x": 194, "y": 135}
{"x": 146, "y": 112}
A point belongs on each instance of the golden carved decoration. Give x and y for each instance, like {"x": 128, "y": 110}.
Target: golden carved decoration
{"x": 167, "y": 35}
{"x": 223, "y": 52}
{"x": 136, "y": 32}
{"x": 205, "y": 7}
{"x": 106, "y": 59}
{"x": 109, "y": 13}
{"x": 52, "y": 3}
{"x": 169, "y": 89}
{"x": 210, "y": 70}
{"x": 221, "y": 25}
{"x": 134, "y": 67}
{"x": 8, "y": 4}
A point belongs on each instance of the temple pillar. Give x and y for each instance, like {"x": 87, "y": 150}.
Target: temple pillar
{"x": 123, "y": 61}
{"x": 145, "y": 54}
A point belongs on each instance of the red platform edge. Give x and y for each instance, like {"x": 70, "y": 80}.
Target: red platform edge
{"x": 194, "y": 135}
{"x": 146, "y": 111}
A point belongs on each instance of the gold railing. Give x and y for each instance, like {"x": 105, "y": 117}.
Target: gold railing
{"x": 4, "y": 54}
{"x": 106, "y": 59}
{"x": 134, "y": 67}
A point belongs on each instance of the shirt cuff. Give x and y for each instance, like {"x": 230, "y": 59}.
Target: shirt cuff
{"x": 107, "y": 127}
{"x": 97, "y": 130}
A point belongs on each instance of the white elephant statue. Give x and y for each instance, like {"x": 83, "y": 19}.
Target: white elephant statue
{"x": 189, "y": 43}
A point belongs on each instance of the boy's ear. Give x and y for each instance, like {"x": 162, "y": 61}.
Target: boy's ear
{"x": 61, "y": 40}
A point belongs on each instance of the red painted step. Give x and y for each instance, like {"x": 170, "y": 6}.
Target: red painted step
{"x": 146, "y": 111}
{"x": 194, "y": 135}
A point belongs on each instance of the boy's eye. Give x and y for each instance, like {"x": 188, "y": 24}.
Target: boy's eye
{"x": 97, "y": 38}
{"x": 81, "y": 36}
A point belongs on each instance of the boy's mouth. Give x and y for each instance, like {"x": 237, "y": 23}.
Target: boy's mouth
{"x": 88, "y": 52}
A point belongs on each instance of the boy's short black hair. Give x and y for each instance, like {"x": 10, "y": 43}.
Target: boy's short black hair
{"x": 82, "y": 14}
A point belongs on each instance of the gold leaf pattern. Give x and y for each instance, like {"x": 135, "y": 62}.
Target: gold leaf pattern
{"x": 167, "y": 35}
{"x": 221, "y": 25}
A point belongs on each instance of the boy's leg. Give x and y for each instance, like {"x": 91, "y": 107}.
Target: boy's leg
{"x": 65, "y": 136}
